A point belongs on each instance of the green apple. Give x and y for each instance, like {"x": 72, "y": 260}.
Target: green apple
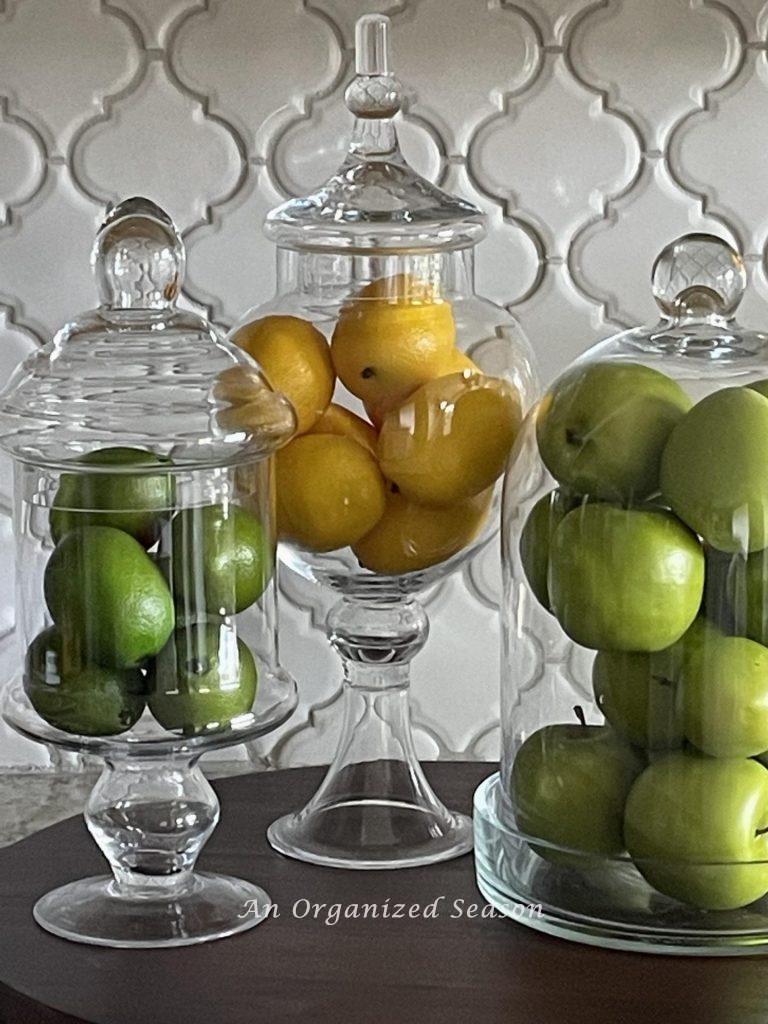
{"x": 637, "y": 693}
{"x": 602, "y": 428}
{"x": 724, "y": 697}
{"x": 713, "y": 470}
{"x": 624, "y": 579}
{"x": 696, "y": 828}
{"x": 536, "y": 537}
{"x": 569, "y": 784}
{"x": 760, "y": 386}
{"x": 203, "y": 678}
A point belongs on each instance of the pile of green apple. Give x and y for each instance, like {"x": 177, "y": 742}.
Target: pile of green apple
{"x": 652, "y": 550}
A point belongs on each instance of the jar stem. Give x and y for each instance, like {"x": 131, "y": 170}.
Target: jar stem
{"x": 375, "y": 807}
{"x": 150, "y": 819}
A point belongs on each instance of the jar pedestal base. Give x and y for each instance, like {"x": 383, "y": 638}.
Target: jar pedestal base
{"x": 609, "y": 905}
{"x": 375, "y": 808}
{"x": 99, "y": 912}
{"x": 373, "y": 815}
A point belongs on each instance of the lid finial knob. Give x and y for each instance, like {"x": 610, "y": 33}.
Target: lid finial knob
{"x": 138, "y": 257}
{"x": 372, "y": 45}
{"x": 698, "y": 277}
{"x": 374, "y": 92}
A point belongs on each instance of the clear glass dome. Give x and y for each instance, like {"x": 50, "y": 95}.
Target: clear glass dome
{"x": 137, "y": 370}
{"x": 409, "y": 390}
{"x": 145, "y": 576}
{"x": 631, "y": 808}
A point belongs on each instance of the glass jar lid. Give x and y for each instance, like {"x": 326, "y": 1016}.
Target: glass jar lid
{"x": 698, "y": 281}
{"x": 375, "y": 202}
{"x": 137, "y": 371}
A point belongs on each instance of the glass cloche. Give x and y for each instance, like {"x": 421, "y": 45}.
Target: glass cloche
{"x": 409, "y": 390}
{"x": 631, "y": 808}
{"x": 145, "y": 565}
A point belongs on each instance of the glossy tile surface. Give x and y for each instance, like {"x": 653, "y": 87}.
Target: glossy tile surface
{"x": 590, "y": 131}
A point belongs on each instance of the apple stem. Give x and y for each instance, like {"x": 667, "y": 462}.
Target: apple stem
{"x": 761, "y": 831}
{"x": 579, "y": 712}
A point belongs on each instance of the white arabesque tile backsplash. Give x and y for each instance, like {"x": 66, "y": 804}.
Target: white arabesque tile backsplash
{"x": 590, "y": 131}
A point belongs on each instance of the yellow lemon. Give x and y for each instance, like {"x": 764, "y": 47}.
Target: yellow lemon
{"x": 457, "y": 362}
{"x": 295, "y": 357}
{"x": 330, "y": 492}
{"x": 338, "y": 420}
{"x": 410, "y": 536}
{"x": 450, "y": 440}
{"x": 386, "y": 345}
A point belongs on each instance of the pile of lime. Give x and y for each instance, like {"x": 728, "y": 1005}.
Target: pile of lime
{"x": 142, "y": 599}
{"x": 653, "y": 551}
{"x": 410, "y": 483}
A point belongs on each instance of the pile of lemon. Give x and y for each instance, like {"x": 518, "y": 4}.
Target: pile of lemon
{"x": 410, "y": 485}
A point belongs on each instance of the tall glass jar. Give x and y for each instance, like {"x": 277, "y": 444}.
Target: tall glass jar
{"x": 631, "y": 808}
{"x": 145, "y": 570}
{"x": 409, "y": 390}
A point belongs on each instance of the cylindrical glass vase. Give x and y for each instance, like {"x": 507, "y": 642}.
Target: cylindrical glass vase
{"x": 631, "y": 808}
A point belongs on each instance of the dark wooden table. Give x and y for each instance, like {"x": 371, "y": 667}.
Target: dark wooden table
{"x": 361, "y": 971}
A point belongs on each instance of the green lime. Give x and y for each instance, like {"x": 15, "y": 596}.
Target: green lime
{"x": 137, "y": 503}
{"x": 221, "y": 561}
{"x": 203, "y": 678}
{"x": 103, "y": 588}
{"x": 85, "y": 699}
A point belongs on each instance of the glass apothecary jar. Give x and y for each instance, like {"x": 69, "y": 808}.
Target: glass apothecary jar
{"x": 409, "y": 390}
{"x": 146, "y": 595}
{"x": 631, "y": 808}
